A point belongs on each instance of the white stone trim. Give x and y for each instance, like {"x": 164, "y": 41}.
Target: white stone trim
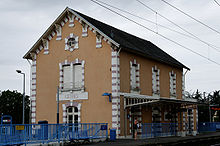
{"x": 84, "y": 30}
{"x": 46, "y": 46}
{"x": 33, "y": 89}
{"x": 71, "y": 20}
{"x": 98, "y": 41}
{"x": 155, "y": 81}
{"x": 134, "y": 82}
{"x": 172, "y": 77}
{"x": 183, "y": 86}
{"x": 115, "y": 91}
{"x": 74, "y": 104}
{"x": 76, "y": 45}
{"x": 59, "y": 31}
{"x": 92, "y": 27}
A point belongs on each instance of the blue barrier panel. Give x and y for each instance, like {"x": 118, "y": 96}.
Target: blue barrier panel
{"x": 112, "y": 134}
{"x": 45, "y": 133}
{"x": 150, "y": 130}
{"x": 208, "y": 126}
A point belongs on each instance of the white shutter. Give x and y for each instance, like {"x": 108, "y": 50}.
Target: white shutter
{"x": 77, "y": 75}
{"x": 171, "y": 83}
{"x": 66, "y": 76}
{"x": 133, "y": 77}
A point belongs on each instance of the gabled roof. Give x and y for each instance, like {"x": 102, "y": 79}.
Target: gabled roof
{"x": 124, "y": 40}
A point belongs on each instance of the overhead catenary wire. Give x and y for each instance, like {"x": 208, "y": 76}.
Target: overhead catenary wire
{"x": 95, "y": 1}
{"x": 192, "y": 36}
{"x": 191, "y": 17}
{"x": 210, "y": 45}
{"x": 217, "y": 2}
{"x": 147, "y": 20}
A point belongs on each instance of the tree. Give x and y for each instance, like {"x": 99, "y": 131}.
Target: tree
{"x": 11, "y": 104}
{"x": 215, "y": 101}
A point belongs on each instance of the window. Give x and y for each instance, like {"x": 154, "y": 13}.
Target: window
{"x": 71, "y": 42}
{"x": 72, "y": 77}
{"x": 172, "y": 84}
{"x": 155, "y": 81}
{"x": 134, "y": 76}
{"x": 72, "y": 115}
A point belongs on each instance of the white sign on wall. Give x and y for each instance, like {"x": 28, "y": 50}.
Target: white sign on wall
{"x": 73, "y": 95}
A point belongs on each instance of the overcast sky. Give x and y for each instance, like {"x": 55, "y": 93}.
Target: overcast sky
{"x": 24, "y": 21}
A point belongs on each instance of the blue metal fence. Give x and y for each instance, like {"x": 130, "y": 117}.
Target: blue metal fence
{"x": 45, "y": 133}
{"x": 208, "y": 126}
{"x": 150, "y": 130}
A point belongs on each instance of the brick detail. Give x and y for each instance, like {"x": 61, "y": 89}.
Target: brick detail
{"x": 33, "y": 89}
{"x": 115, "y": 92}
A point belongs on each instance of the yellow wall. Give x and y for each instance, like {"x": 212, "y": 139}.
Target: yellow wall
{"x": 97, "y": 77}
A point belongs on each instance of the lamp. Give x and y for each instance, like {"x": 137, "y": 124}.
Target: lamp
{"x": 20, "y": 72}
{"x": 109, "y": 96}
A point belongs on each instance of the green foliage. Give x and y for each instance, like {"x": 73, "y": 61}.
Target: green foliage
{"x": 11, "y": 104}
{"x": 212, "y": 99}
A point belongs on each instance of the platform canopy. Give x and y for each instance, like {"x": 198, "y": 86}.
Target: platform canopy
{"x": 132, "y": 99}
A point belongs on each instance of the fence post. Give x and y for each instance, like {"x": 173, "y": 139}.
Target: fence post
{"x": 59, "y": 133}
{"x": 106, "y": 131}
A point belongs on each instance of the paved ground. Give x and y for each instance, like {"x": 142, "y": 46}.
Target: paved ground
{"x": 208, "y": 138}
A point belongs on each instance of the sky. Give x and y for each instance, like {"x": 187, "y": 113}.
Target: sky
{"x": 23, "y": 22}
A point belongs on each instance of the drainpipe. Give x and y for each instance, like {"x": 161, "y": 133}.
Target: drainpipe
{"x": 185, "y": 79}
{"x": 117, "y": 88}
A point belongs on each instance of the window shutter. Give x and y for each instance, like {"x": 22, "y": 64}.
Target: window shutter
{"x": 66, "y": 75}
{"x": 77, "y": 75}
{"x": 133, "y": 77}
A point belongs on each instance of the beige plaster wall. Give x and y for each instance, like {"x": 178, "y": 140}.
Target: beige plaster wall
{"x": 97, "y": 77}
{"x": 146, "y": 75}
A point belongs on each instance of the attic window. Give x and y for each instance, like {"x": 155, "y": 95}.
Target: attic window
{"x": 71, "y": 42}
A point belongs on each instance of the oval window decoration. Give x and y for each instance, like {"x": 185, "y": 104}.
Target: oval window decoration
{"x": 71, "y": 42}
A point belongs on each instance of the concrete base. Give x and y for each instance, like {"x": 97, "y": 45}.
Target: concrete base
{"x": 194, "y": 133}
{"x": 183, "y": 133}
